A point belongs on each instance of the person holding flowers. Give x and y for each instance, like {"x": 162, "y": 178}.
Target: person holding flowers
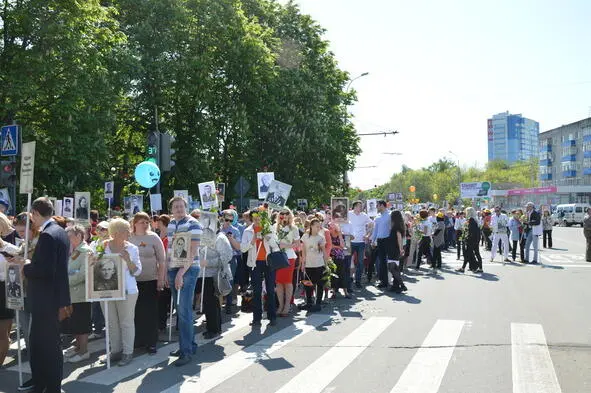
{"x": 289, "y": 239}
{"x": 314, "y": 263}
{"x": 259, "y": 240}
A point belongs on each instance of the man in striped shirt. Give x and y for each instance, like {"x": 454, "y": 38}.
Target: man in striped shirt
{"x": 182, "y": 279}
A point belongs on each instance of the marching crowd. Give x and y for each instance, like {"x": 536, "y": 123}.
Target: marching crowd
{"x": 265, "y": 254}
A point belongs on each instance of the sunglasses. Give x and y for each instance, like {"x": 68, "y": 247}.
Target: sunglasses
{"x": 228, "y": 219}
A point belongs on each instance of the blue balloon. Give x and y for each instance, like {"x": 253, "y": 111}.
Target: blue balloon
{"x": 147, "y": 174}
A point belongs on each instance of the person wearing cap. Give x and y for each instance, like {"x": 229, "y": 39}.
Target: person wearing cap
{"x": 499, "y": 223}
{"x": 533, "y": 232}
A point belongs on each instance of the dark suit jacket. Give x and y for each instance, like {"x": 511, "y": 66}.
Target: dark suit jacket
{"x": 48, "y": 287}
{"x": 473, "y": 233}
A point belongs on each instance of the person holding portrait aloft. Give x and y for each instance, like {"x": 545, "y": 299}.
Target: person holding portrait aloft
{"x": 122, "y": 312}
{"x": 79, "y": 324}
{"x": 149, "y": 282}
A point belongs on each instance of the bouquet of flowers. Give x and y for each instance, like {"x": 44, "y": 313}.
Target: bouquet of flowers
{"x": 266, "y": 223}
{"x": 465, "y": 235}
{"x": 329, "y": 273}
{"x": 417, "y": 232}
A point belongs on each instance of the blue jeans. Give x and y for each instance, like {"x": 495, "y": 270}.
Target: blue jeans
{"x": 531, "y": 238}
{"x": 187, "y": 344}
{"x": 258, "y": 273}
{"x": 358, "y": 248}
{"x": 233, "y": 265}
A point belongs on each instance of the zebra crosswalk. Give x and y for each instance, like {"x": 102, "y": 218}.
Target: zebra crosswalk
{"x": 331, "y": 357}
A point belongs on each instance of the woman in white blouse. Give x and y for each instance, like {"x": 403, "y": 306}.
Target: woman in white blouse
{"x": 122, "y": 312}
{"x": 289, "y": 238}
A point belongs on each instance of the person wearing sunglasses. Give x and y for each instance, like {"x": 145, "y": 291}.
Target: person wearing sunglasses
{"x": 234, "y": 236}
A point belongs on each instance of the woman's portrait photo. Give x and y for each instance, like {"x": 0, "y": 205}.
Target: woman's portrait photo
{"x": 82, "y": 201}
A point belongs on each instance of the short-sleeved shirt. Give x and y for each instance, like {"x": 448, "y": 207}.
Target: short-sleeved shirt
{"x": 186, "y": 224}
{"x": 314, "y": 257}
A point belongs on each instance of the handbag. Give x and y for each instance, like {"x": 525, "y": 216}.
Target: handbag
{"x": 277, "y": 260}
{"x": 222, "y": 283}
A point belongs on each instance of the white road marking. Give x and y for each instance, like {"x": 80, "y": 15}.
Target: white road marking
{"x": 533, "y": 370}
{"x": 144, "y": 362}
{"x": 425, "y": 371}
{"x": 219, "y": 372}
{"x": 327, "y": 367}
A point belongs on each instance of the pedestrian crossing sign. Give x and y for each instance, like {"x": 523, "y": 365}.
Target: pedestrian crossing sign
{"x": 9, "y": 140}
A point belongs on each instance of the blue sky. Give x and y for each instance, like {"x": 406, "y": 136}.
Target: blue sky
{"x": 439, "y": 69}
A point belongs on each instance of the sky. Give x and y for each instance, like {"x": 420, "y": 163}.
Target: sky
{"x": 439, "y": 69}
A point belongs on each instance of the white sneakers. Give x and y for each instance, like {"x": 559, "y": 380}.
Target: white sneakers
{"x": 78, "y": 357}
{"x": 70, "y": 352}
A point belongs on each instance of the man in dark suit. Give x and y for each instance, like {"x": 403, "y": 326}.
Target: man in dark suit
{"x": 48, "y": 291}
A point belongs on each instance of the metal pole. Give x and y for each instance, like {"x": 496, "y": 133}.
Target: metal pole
{"x": 18, "y": 326}
{"x": 159, "y": 144}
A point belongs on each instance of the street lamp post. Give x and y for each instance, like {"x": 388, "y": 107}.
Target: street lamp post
{"x": 345, "y": 177}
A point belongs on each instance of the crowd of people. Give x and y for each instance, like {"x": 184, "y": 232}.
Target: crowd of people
{"x": 326, "y": 256}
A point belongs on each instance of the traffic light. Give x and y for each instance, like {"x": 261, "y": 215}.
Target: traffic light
{"x": 8, "y": 176}
{"x": 153, "y": 151}
{"x": 166, "y": 152}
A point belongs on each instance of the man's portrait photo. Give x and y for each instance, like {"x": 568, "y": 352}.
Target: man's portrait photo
{"x": 181, "y": 247}
{"x": 264, "y": 180}
{"x": 209, "y": 198}
{"x": 68, "y": 208}
{"x": 372, "y": 207}
{"x": 82, "y": 206}
{"x": 14, "y": 287}
{"x": 105, "y": 278}
{"x": 278, "y": 194}
{"x": 109, "y": 189}
{"x": 221, "y": 187}
{"x": 209, "y": 224}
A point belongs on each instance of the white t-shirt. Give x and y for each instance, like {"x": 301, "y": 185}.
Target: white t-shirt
{"x": 314, "y": 255}
{"x": 359, "y": 224}
{"x": 289, "y": 236}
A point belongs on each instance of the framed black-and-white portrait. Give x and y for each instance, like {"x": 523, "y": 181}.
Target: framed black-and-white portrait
{"x": 278, "y": 194}
{"x": 82, "y": 204}
{"x": 58, "y": 207}
{"x": 209, "y": 224}
{"x": 264, "y": 180}
{"x": 182, "y": 193}
{"x": 181, "y": 249}
{"x": 133, "y": 204}
{"x": 339, "y": 207}
{"x": 207, "y": 192}
{"x": 372, "y": 207}
{"x": 15, "y": 296}
{"x": 53, "y": 201}
{"x": 68, "y": 207}
{"x": 105, "y": 278}
{"x": 109, "y": 189}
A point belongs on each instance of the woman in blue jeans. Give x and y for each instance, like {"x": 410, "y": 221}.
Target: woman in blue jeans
{"x": 182, "y": 280}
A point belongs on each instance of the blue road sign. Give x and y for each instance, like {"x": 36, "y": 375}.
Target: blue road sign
{"x": 9, "y": 141}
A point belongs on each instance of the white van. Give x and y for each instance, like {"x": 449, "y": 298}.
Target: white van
{"x": 570, "y": 214}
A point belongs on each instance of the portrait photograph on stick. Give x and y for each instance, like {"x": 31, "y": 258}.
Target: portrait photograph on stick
{"x": 207, "y": 191}
{"x": 15, "y": 297}
{"x": 68, "y": 207}
{"x": 278, "y": 194}
{"x": 210, "y": 224}
{"x": 181, "y": 249}
{"x": 372, "y": 207}
{"x": 264, "y": 180}
{"x": 340, "y": 209}
{"x": 82, "y": 203}
{"x": 105, "y": 278}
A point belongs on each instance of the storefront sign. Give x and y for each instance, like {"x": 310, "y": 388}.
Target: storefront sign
{"x": 532, "y": 191}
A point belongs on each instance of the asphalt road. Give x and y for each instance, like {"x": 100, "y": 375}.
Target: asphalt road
{"x": 514, "y": 328}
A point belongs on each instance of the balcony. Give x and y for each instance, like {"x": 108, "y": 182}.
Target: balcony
{"x": 546, "y": 162}
{"x": 586, "y": 171}
{"x": 546, "y": 148}
{"x": 587, "y": 138}
{"x": 546, "y": 176}
{"x": 569, "y": 158}
{"x": 569, "y": 143}
{"x": 569, "y": 174}
{"x": 587, "y": 154}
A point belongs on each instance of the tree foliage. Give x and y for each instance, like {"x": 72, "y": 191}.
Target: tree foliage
{"x": 242, "y": 85}
{"x": 443, "y": 178}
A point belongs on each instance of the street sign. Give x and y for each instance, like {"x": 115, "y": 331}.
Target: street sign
{"x": 9, "y": 140}
{"x": 242, "y": 186}
{"x": 302, "y": 202}
{"x": 27, "y": 168}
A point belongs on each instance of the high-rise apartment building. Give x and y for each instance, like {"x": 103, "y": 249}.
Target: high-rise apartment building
{"x": 512, "y": 138}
